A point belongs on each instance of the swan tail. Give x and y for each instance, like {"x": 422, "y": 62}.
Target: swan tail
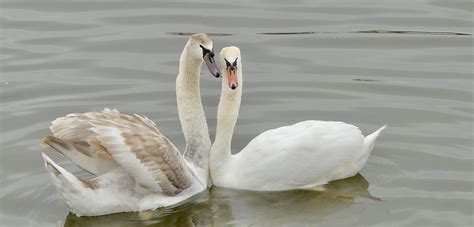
{"x": 75, "y": 192}
{"x": 369, "y": 141}
{"x": 363, "y": 156}
{"x": 63, "y": 179}
{"x": 79, "y": 153}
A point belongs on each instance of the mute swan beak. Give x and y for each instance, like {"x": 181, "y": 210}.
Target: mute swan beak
{"x": 208, "y": 56}
{"x": 231, "y": 70}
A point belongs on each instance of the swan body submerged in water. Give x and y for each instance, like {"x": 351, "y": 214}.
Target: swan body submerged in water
{"x": 135, "y": 166}
{"x": 304, "y": 155}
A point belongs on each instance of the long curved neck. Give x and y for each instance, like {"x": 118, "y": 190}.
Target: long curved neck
{"x": 227, "y": 114}
{"x": 191, "y": 112}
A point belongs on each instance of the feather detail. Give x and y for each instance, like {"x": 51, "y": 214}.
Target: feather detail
{"x": 79, "y": 152}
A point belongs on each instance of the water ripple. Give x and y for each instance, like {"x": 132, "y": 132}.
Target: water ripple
{"x": 369, "y": 64}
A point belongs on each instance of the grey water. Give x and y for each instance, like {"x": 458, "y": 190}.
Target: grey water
{"x": 407, "y": 64}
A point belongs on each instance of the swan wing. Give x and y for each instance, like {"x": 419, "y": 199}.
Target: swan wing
{"x": 144, "y": 153}
{"x": 305, "y": 154}
{"x": 73, "y": 138}
{"x": 134, "y": 143}
{"x": 76, "y": 126}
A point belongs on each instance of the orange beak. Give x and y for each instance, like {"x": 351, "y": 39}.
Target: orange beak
{"x": 232, "y": 77}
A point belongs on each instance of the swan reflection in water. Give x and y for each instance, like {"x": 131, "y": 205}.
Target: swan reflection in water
{"x": 221, "y": 206}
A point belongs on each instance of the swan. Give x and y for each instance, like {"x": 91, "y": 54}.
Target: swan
{"x": 305, "y": 155}
{"x": 135, "y": 166}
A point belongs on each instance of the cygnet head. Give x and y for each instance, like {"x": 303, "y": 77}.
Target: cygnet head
{"x": 230, "y": 60}
{"x": 200, "y": 47}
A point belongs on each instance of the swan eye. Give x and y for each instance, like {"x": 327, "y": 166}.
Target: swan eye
{"x": 227, "y": 63}
{"x": 206, "y": 51}
{"x": 235, "y": 63}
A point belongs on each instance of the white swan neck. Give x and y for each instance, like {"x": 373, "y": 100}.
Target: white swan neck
{"x": 191, "y": 112}
{"x": 227, "y": 115}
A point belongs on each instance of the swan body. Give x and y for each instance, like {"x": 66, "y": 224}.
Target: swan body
{"x": 135, "y": 166}
{"x": 303, "y": 155}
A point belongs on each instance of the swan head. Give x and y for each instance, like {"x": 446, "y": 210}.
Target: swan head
{"x": 231, "y": 62}
{"x": 200, "y": 47}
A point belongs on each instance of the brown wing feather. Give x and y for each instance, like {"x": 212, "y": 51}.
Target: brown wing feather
{"x": 76, "y": 127}
{"x": 134, "y": 142}
{"x": 162, "y": 160}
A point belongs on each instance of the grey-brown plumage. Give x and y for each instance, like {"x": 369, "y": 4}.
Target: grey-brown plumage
{"x": 162, "y": 160}
{"x": 136, "y": 167}
{"x": 96, "y": 139}
{"x": 89, "y": 156}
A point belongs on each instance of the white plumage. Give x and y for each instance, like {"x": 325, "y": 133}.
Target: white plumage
{"x": 303, "y": 155}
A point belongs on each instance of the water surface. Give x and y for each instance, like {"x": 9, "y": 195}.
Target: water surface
{"x": 405, "y": 64}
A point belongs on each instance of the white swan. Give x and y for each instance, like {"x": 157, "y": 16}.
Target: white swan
{"x": 136, "y": 167}
{"x": 303, "y": 155}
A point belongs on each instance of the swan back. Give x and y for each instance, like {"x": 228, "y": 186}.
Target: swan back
{"x": 302, "y": 155}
